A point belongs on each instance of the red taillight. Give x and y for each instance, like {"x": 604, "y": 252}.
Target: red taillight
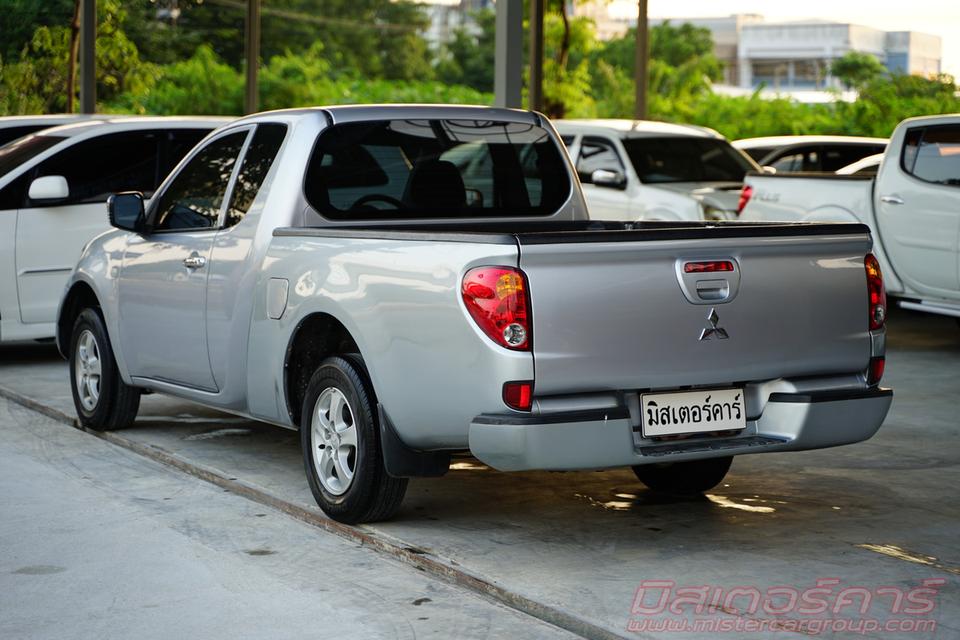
{"x": 518, "y": 395}
{"x": 497, "y": 300}
{"x": 745, "y": 194}
{"x": 875, "y": 370}
{"x": 876, "y": 293}
{"x": 708, "y": 267}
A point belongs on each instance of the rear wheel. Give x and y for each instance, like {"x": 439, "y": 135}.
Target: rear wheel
{"x": 340, "y": 438}
{"x": 684, "y": 478}
{"x": 102, "y": 399}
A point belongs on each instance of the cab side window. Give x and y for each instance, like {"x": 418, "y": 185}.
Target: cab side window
{"x": 256, "y": 163}
{"x": 597, "y": 153}
{"x": 194, "y": 197}
{"x": 103, "y": 165}
{"x": 932, "y": 154}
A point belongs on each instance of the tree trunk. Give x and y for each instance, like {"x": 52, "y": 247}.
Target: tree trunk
{"x": 565, "y": 41}
{"x": 74, "y": 52}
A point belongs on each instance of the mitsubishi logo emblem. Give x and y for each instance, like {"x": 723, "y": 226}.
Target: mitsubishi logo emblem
{"x": 713, "y": 331}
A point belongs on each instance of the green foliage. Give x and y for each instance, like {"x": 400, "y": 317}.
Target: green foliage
{"x": 38, "y": 81}
{"x": 206, "y": 85}
{"x": 201, "y": 85}
{"x": 319, "y": 52}
{"x": 468, "y": 58}
{"x": 20, "y": 19}
{"x": 855, "y": 69}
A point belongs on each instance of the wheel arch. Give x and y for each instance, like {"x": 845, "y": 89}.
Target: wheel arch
{"x": 316, "y": 337}
{"x": 80, "y": 296}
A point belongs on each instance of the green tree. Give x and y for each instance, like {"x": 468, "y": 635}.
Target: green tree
{"x": 38, "y": 81}
{"x": 468, "y": 58}
{"x": 855, "y": 69}
{"x": 19, "y": 19}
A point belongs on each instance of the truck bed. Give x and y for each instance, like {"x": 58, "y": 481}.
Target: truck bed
{"x": 814, "y": 197}
{"x": 609, "y": 307}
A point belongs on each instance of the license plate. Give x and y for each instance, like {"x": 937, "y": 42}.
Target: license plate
{"x": 667, "y": 414}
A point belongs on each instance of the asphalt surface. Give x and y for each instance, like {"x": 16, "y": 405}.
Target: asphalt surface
{"x": 877, "y": 514}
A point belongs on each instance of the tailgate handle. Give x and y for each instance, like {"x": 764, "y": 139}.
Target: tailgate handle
{"x": 713, "y": 289}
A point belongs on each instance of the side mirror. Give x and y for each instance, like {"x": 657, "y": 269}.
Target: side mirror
{"x": 608, "y": 179}
{"x": 769, "y": 169}
{"x": 49, "y": 188}
{"x": 126, "y": 211}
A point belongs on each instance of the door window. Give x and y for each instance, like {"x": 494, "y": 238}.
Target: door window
{"x": 256, "y": 163}
{"x": 194, "y": 197}
{"x": 597, "y": 153}
{"x": 100, "y": 166}
{"x": 933, "y": 154}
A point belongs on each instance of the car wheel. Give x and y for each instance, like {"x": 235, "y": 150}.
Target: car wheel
{"x": 684, "y": 478}
{"x": 340, "y": 439}
{"x": 103, "y": 400}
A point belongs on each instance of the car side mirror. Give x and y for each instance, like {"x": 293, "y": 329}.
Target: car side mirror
{"x": 49, "y": 189}
{"x": 608, "y": 179}
{"x": 126, "y": 211}
{"x": 768, "y": 169}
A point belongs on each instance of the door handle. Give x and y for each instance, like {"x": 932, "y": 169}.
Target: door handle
{"x": 891, "y": 199}
{"x": 194, "y": 262}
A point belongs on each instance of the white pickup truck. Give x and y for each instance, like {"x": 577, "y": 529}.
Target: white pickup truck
{"x": 912, "y": 208}
{"x": 403, "y": 282}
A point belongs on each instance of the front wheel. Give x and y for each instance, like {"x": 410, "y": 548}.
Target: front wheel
{"x": 102, "y": 399}
{"x": 340, "y": 439}
{"x": 684, "y": 478}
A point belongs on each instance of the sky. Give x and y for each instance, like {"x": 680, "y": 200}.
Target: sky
{"x": 939, "y": 17}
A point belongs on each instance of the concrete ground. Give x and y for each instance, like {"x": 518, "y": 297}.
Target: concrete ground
{"x": 98, "y": 542}
{"x": 574, "y": 547}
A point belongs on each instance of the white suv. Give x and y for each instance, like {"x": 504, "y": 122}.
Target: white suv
{"x": 643, "y": 170}
{"x": 53, "y": 186}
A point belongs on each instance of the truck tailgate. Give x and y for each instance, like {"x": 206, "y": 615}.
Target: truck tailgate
{"x": 610, "y": 311}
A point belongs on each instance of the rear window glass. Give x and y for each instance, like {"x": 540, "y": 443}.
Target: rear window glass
{"x": 436, "y": 169}
{"x": 679, "y": 159}
{"x": 933, "y": 154}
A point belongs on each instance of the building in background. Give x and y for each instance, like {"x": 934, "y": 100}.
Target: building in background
{"x": 446, "y": 16}
{"x": 787, "y": 57}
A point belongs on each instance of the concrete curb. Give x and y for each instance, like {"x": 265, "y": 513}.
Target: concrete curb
{"x": 441, "y": 568}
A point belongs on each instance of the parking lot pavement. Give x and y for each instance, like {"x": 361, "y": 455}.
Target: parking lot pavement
{"x": 98, "y": 542}
{"x": 880, "y": 513}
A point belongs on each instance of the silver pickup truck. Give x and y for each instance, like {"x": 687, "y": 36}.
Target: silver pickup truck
{"x": 404, "y": 283}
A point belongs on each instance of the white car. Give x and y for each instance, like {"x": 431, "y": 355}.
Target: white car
{"x": 809, "y": 153}
{"x": 642, "y": 170}
{"x": 912, "y": 207}
{"x": 53, "y": 186}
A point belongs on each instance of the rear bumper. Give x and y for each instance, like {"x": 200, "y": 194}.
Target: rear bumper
{"x": 607, "y": 438}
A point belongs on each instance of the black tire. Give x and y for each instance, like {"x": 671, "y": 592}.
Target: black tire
{"x": 371, "y": 494}
{"x": 116, "y": 403}
{"x": 684, "y": 478}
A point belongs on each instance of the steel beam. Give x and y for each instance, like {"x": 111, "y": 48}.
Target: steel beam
{"x": 508, "y": 57}
{"x": 88, "y": 56}
{"x": 641, "y": 75}
{"x": 251, "y": 101}
{"x": 535, "y": 90}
